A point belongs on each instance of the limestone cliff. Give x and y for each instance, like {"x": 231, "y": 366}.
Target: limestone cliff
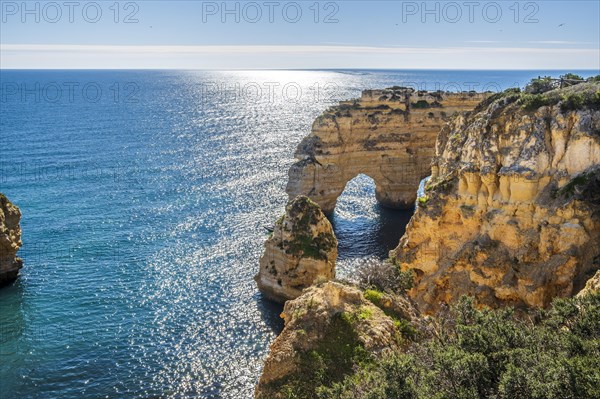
{"x": 10, "y": 240}
{"x": 327, "y": 331}
{"x": 511, "y": 213}
{"x": 388, "y": 135}
{"x": 301, "y": 251}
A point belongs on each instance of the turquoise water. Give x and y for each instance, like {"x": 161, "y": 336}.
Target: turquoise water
{"x": 144, "y": 195}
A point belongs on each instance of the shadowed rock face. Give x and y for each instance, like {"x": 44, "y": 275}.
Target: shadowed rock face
{"x": 10, "y": 241}
{"x": 301, "y": 251}
{"x": 388, "y": 135}
{"x": 512, "y": 210}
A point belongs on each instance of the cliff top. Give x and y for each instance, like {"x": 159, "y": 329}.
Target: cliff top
{"x": 570, "y": 98}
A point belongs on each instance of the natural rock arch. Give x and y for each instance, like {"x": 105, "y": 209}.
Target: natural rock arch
{"x": 388, "y": 135}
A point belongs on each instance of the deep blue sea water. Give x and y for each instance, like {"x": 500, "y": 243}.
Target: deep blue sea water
{"x": 144, "y": 195}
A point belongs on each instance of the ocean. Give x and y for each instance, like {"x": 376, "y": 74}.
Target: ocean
{"x": 144, "y": 197}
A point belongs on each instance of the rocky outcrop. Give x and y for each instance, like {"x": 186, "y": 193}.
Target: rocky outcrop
{"x": 302, "y": 250}
{"x": 10, "y": 240}
{"x": 592, "y": 285}
{"x": 328, "y": 329}
{"x": 388, "y": 135}
{"x": 511, "y": 213}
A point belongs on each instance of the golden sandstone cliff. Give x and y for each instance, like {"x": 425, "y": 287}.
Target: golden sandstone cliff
{"x": 511, "y": 214}
{"x": 10, "y": 240}
{"x": 301, "y": 251}
{"x": 388, "y": 135}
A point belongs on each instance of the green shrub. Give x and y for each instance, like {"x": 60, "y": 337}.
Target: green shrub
{"x": 540, "y": 85}
{"x": 386, "y": 379}
{"x": 421, "y": 104}
{"x": 334, "y": 358}
{"x": 571, "y": 76}
{"x": 307, "y": 246}
{"x": 531, "y": 102}
{"x": 492, "y": 354}
{"x": 572, "y": 102}
{"x": 374, "y": 296}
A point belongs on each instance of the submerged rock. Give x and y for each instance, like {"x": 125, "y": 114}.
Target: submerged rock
{"x": 511, "y": 214}
{"x": 10, "y": 240}
{"x": 301, "y": 251}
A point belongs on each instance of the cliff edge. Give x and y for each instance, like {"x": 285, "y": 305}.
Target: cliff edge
{"x": 511, "y": 213}
{"x": 10, "y": 241}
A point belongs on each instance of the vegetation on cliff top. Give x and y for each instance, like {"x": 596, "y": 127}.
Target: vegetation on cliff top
{"x": 467, "y": 352}
{"x": 569, "y": 90}
{"x": 490, "y": 354}
{"x": 329, "y": 362}
{"x": 302, "y": 213}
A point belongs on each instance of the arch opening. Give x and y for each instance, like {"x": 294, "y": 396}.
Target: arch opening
{"x": 364, "y": 228}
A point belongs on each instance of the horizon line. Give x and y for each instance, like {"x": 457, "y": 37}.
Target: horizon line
{"x": 309, "y": 69}
{"x": 278, "y": 57}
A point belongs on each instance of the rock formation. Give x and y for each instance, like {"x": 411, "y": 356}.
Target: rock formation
{"x": 10, "y": 240}
{"x": 510, "y": 216}
{"x": 301, "y": 251}
{"x": 388, "y": 135}
{"x": 592, "y": 285}
{"x": 325, "y": 329}
{"x": 511, "y": 213}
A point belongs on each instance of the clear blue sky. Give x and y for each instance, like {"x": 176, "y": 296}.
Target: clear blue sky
{"x": 272, "y": 34}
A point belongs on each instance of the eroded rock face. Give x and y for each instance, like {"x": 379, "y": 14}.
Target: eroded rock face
{"x": 512, "y": 212}
{"x": 388, "y": 135}
{"x": 591, "y": 286}
{"x": 324, "y": 327}
{"x": 10, "y": 240}
{"x": 301, "y": 251}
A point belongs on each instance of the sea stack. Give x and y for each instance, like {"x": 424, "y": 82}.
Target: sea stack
{"x": 10, "y": 241}
{"x": 301, "y": 251}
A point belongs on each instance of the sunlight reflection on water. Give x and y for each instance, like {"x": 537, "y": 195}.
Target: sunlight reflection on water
{"x": 143, "y": 226}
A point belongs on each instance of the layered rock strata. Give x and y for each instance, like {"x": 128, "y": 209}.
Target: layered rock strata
{"x": 302, "y": 250}
{"x": 388, "y": 135}
{"x": 511, "y": 213}
{"x": 10, "y": 240}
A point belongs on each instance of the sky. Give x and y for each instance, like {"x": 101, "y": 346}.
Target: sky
{"x": 158, "y": 34}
